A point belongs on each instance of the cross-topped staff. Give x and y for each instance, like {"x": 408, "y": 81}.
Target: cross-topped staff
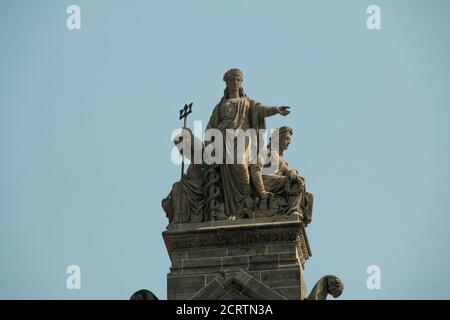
{"x": 183, "y": 115}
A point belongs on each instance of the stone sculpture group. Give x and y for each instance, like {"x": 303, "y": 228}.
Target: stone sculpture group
{"x": 239, "y": 190}
{"x": 238, "y": 214}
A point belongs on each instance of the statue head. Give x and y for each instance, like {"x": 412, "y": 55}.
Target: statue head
{"x": 188, "y": 144}
{"x": 284, "y": 137}
{"x": 234, "y": 78}
{"x": 335, "y": 286}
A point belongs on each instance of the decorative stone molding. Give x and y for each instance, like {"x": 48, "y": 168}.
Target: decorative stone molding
{"x": 242, "y": 233}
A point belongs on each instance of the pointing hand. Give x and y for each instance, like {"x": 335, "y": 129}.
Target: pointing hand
{"x": 284, "y": 110}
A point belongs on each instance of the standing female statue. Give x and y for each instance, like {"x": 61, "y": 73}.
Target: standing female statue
{"x": 238, "y": 112}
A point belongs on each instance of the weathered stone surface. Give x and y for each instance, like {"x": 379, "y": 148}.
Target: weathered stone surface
{"x": 206, "y": 253}
{"x": 237, "y": 286}
{"x": 235, "y": 263}
{"x": 208, "y": 261}
{"x": 247, "y": 250}
{"x": 210, "y": 277}
{"x": 290, "y": 293}
{"x": 179, "y": 254}
{"x": 238, "y": 234}
{"x": 202, "y": 266}
{"x": 261, "y": 287}
{"x": 263, "y": 262}
{"x": 281, "y": 278}
{"x": 288, "y": 260}
{"x": 176, "y": 268}
{"x": 255, "y": 274}
{"x": 284, "y": 247}
{"x": 184, "y": 284}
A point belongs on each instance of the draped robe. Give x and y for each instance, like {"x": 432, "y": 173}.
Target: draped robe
{"x": 238, "y": 113}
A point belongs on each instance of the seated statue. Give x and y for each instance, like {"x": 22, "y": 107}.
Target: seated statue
{"x": 285, "y": 187}
{"x": 198, "y": 196}
{"x": 186, "y": 200}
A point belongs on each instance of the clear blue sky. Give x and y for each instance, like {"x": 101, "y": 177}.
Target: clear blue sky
{"x": 86, "y": 118}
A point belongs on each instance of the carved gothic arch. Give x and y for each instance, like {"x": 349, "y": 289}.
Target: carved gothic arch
{"x": 237, "y": 285}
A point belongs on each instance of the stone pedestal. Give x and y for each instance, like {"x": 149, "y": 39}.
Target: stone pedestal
{"x": 259, "y": 258}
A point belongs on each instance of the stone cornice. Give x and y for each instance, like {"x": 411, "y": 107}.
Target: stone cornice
{"x": 238, "y": 232}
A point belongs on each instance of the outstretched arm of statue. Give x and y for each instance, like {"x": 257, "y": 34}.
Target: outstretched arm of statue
{"x": 270, "y": 111}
